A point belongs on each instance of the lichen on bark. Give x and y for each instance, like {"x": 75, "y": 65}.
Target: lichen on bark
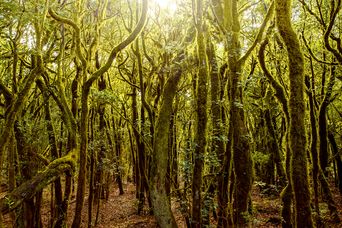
{"x": 297, "y": 142}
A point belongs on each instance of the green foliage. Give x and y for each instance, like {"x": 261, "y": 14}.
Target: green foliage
{"x": 211, "y": 160}
{"x": 103, "y": 97}
{"x": 34, "y": 133}
{"x": 260, "y": 158}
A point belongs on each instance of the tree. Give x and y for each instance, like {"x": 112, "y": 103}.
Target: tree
{"x": 201, "y": 115}
{"x": 299, "y": 173}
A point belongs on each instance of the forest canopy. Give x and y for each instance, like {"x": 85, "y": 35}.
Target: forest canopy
{"x": 207, "y": 107}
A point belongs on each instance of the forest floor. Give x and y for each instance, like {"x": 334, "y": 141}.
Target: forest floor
{"x": 120, "y": 211}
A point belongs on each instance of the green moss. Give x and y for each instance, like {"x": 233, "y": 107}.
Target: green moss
{"x": 297, "y": 135}
{"x": 28, "y": 189}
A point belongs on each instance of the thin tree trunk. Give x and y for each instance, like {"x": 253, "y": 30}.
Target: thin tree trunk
{"x": 92, "y": 168}
{"x": 313, "y": 143}
{"x": 338, "y": 160}
{"x": 117, "y": 155}
{"x": 322, "y": 124}
{"x": 274, "y": 149}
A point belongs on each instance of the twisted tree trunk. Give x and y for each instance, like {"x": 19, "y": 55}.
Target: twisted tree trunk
{"x": 299, "y": 173}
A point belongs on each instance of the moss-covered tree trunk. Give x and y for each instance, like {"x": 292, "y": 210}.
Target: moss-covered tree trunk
{"x": 218, "y": 137}
{"x": 299, "y": 172}
{"x": 173, "y": 148}
{"x": 92, "y": 166}
{"x": 313, "y": 142}
{"x": 159, "y": 163}
{"x": 286, "y": 195}
{"x": 241, "y": 154}
{"x": 240, "y": 139}
{"x": 30, "y": 188}
{"x": 81, "y": 183}
{"x": 201, "y": 112}
{"x": 274, "y": 149}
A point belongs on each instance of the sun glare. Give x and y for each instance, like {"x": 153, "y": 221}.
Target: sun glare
{"x": 168, "y": 5}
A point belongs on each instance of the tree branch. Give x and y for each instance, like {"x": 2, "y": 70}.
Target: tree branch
{"x": 279, "y": 90}
{"x": 259, "y": 35}
{"x": 6, "y": 92}
{"x": 333, "y": 15}
{"x": 313, "y": 55}
{"x": 28, "y": 189}
{"x": 139, "y": 27}
{"x": 77, "y": 33}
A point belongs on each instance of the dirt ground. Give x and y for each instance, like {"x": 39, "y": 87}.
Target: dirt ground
{"x": 120, "y": 211}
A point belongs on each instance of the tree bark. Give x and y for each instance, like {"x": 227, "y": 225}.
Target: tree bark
{"x": 286, "y": 195}
{"x": 299, "y": 173}
{"x": 338, "y": 160}
{"x": 159, "y": 164}
{"x": 201, "y": 112}
{"x": 29, "y": 188}
{"x": 240, "y": 139}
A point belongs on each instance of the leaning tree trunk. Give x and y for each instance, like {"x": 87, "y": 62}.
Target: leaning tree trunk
{"x": 29, "y": 189}
{"x": 299, "y": 173}
{"x": 160, "y": 153}
{"x": 279, "y": 93}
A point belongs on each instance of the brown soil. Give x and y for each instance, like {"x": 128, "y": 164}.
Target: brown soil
{"x": 120, "y": 211}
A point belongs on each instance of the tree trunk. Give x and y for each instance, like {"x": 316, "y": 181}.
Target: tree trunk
{"x": 322, "y": 124}
{"x": 81, "y": 183}
{"x": 338, "y": 160}
{"x": 286, "y": 195}
{"x": 117, "y": 154}
{"x": 299, "y": 174}
{"x": 201, "y": 112}
{"x": 313, "y": 143}
{"x": 159, "y": 164}
{"x": 242, "y": 159}
{"x": 274, "y": 149}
